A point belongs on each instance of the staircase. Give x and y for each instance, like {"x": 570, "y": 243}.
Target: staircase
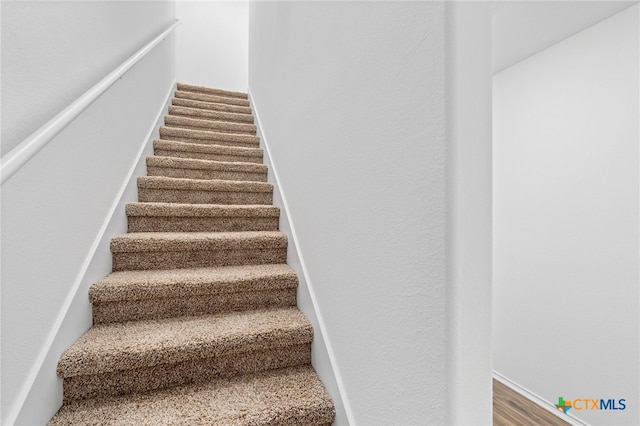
{"x": 197, "y": 324}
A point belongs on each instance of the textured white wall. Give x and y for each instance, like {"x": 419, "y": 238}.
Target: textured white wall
{"x": 52, "y": 52}
{"x": 566, "y": 234}
{"x": 351, "y": 99}
{"x": 55, "y": 207}
{"x": 213, "y": 44}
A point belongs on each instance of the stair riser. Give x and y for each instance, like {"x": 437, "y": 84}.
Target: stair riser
{"x": 205, "y": 174}
{"x": 212, "y": 98}
{"x": 210, "y": 115}
{"x": 201, "y": 224}
{"x": 152, "y": 195}
{"x": 209, "y": 125}
{"x": 123, "y": 261}
{"x": 208, "y": 156}
{"x": 209, "y": 106}
{"x": 152, "y": 309}
{"x": 195, "y": 371}
{"x": 204, "y": 136}
{"x": 199, "y": 126}
{"x": 220, "y": 142}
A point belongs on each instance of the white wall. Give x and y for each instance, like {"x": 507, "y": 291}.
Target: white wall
{"x": 524, "y": 28}
{"x": 213, "y": 44}
{"x": 566, "y": 234}
{"x": 52, "y": 52}
{"x": 321, "y": 352}
{"x": 56, "y": 210}
{"x": 353, "y": 101}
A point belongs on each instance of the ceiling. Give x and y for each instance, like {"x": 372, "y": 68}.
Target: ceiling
{"x": 524, "y": 28}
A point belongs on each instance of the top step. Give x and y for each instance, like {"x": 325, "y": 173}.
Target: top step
{"x": 196, "y": 96}
{"x": 210, "y": 91}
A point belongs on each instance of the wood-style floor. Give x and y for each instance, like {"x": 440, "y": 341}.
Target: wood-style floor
{"x": 512, "y": 409}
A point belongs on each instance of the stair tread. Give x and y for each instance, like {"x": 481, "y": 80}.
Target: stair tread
{"x": 191, "y": 241}
{"x": 200, "y": 123}
{"x": 201, "y": 210}
{"x": 207, "y": 135}
{"x": 221, "y": 185}
{"x": 140, "y": 285}
{"x": 211, "y": 98}
{"x": 290, "y": 396}
{"x": 211, "y": 106}
{"x": 195, "y": 163}
{"x": 231, "y": 117}
{"x": 139, "y": 344}
{"x": 207, "y": 148}
{"x": 187, "y": 217}
{"x": 163, "y": 283}
{"x": 194, "y": 88}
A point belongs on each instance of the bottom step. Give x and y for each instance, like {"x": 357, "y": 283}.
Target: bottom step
{"x": 290, "y": 396}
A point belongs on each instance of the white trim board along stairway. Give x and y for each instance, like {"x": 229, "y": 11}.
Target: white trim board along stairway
{"x": 198, "y": 323}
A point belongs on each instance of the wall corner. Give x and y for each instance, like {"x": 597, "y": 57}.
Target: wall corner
{"x": 469, "y": 235}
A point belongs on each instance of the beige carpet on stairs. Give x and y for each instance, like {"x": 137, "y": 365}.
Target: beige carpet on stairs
{"x": 198, "y": 323}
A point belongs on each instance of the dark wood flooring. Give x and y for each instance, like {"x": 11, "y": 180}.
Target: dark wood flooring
{"x": 512, "y": 409}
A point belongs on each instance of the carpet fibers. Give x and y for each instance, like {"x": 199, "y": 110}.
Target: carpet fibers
{"x": 197, "y": 324}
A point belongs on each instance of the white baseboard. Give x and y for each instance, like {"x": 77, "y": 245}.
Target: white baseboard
{"x": 323, "y": 356}
{"x": 43, "y": 389}
{"x": 538, "y": 400}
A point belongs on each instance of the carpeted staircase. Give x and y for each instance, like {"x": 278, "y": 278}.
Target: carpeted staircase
{"x": 197, "y": 324}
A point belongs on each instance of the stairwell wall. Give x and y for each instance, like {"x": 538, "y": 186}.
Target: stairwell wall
{"x": 61, "y": 208}
{"x": 352, "y": 98}
{"x": 567, "y": 240}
